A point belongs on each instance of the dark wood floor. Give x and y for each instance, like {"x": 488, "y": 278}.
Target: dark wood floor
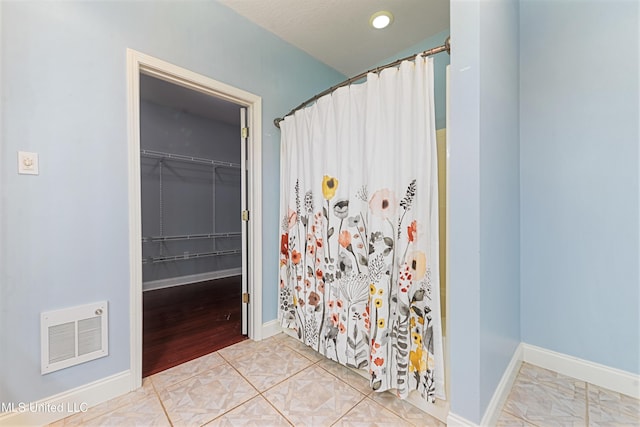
{"x": 183, "y": 323}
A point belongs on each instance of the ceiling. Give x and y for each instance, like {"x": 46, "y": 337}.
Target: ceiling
{"x": 337, "y": 32}
{"x": 188, "y": 100}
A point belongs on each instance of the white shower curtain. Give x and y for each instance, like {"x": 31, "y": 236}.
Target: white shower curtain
{"x": 359, "y": 279}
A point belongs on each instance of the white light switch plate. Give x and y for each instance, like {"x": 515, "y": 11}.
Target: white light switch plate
{"x": 28, "y": 163}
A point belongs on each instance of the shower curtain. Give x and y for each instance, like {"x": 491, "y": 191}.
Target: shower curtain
{"x": 359, "y": 279}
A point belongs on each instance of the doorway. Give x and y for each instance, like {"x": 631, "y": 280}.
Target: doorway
{"x": 244, "y": 242}
{"x": 191, "y": 162}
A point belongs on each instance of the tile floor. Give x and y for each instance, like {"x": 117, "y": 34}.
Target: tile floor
{"x": 281, "y": 382}
{"x": 542, "y": 398}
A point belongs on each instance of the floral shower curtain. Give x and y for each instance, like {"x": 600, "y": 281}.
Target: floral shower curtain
{"x": 359, "y": 279}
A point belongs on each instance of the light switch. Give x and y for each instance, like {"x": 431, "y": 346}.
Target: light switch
{"x": 28, "y": 163}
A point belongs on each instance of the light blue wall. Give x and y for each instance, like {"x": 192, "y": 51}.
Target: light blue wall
{"x": 484, "y": 294}
{"x": 64, "y": 236}
{"x": 499, "y": 192}
{"x": 440, "y": 62}
{"x": 463, "y": 295}
{"x": 580, "y": 179}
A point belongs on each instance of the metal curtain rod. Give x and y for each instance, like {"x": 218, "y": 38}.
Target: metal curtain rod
{"x": 446, "y": 47}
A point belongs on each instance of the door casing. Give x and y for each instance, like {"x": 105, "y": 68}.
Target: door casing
{"x": 138, "y": 63}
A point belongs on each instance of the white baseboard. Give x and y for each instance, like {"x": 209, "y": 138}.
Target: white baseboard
{"x": 62, "y": 405}
{"x": 500, "y": 395}
{"x": 454, "y": 420}
{"x": 492, "y": 413}
{"x": 603, "y": 376}
{"x": 192, "y": 278}
{"x": 271, "y": 328}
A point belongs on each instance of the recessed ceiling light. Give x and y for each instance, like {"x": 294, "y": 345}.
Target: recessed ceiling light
{"x": 381, "y": 19}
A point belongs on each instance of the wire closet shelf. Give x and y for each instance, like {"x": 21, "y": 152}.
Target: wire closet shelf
{"x": 161, "y": 156}
{"x": 190, "y": 159}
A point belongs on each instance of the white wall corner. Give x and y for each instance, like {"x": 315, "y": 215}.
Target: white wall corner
{"x": 271, "y": 328}
{"x": 494, "y": 409}
{"x": 59, "y": 406}
{"x": 603, "y": 376}
{"x": 492, "y": 413}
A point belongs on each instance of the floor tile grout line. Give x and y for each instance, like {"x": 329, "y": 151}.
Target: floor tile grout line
{"x": 366, "y": 395}
{"x": 229, "y": 410}
{"x": 521, "y": 418}
{"x": 260, "y": 393}
{"x": 164, "y": 409}
{"x": 276, "y": 384}
{"x": 331, "y": 373}
{"x": 393, "y": 411}
{"x": 209, "y": 368}
{"x": 276, "y": 409}
{"x": 350, "y": 409}
{"x": 302, "y": 353}
{"x": 243, "y": 377}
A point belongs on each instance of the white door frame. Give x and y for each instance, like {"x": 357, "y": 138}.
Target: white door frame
{"x": 140, "y": 63}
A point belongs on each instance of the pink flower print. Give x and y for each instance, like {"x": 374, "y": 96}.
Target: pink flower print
{"x": 344, "y": 239}
{"x": 335, "y": 319}
{"x": 292, "y": 218}
{"x": 383, "y": 203}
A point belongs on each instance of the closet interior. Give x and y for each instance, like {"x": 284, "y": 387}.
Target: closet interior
{"x": 190, "y": 161}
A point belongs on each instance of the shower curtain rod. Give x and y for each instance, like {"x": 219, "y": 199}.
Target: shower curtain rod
{"x": 446, "y": 47}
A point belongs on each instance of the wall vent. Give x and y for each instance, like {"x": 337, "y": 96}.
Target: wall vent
{"x": 73, "y": 335}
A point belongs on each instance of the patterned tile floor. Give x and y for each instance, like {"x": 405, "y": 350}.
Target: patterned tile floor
{"x": 541, "y": 398}
{"x": 281, "y": 382}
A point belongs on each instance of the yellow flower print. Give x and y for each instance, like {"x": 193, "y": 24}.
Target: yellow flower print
{"x": 417, "y": 338}
{"x": 295, "y": 301}
{"x": 378, "y": 302}
{"x": 418, "y": 264}
{"x": 412, "y": 322}
{"x": 380, "y": 291}
{"x": 417, "y": 360}
{"x": 380, "y": 323}
{"x": 329, "y": 187}
{"x": 372, "y": 289}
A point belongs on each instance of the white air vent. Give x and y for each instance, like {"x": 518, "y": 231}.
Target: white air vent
{"x": 73, "y": 335}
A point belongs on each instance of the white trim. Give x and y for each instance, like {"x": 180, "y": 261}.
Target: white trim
{"x": 68, "y": 402}
{"x": 454, "y": 420}
{"x": 153, "y": 285}
{"x": 594, "y": 373}
{"x": 271, "y": 328}
{"x": 135, "y": 223}
{"x": 254, "y": 276}
{"x": 136, "y": 63}
{"x": 494, "y": 409}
